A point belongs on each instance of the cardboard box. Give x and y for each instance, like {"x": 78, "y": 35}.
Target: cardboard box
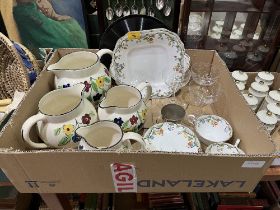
{"x": 72, "y": 171}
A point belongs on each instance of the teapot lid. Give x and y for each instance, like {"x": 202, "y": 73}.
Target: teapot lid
{"x": 274, "y": 108}
{"x": 239, "y": 75}
{"x": 260, "y": 86}
{"x": 251, "y": 99}
{"x": 254, "y": 56}
{"x": 267, "y": 117}
{"x": 275, "y": 94}
{"x": 240, "y": 85}
{"x": 263, "y": 48}
{"x": 265, "y": 75}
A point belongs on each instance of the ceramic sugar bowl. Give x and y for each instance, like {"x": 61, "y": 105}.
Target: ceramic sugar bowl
{"x": 268, "y": 119}
{"x": 272, "y": 97}
{"x": 126, "y": 106}
{"x": 83, "y": 67}
{"x": 259, "y": 90}
{"x": 240, "y": 76}
{"x": 275, "y": 109}
{"x": 251, "y": 100}
{"x": 60, "y": 113}
{"x": 211, "y": 128}
{"x": 266, "y": 77}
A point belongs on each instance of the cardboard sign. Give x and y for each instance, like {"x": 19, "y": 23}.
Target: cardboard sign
{"x": 124, "y": 177}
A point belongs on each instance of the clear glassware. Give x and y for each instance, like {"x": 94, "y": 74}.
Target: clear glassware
{"x": 204, "y": 74}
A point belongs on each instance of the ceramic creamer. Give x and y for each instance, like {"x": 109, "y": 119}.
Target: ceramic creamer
{"x": 83, "y": 67}
{"x": 125, "y": 105}
{"x": 60, "y": 113}
{"x": 272, "y": 97}
{"x": 268, "y": 119}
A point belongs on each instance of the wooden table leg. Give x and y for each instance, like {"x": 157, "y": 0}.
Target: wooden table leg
{"x": 56, "y": 201}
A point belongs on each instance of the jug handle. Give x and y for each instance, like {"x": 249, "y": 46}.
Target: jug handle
{"x": 134, "y": 136}
{"x": 102, "y": 52}
{"x": 145, "y": 86}
{"x": 26, "y": 127}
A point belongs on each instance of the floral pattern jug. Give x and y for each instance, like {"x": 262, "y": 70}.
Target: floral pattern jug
{"x": 61, "y": 112}
{"x": 126, "y": 106}
{"x": 83, "y": 67}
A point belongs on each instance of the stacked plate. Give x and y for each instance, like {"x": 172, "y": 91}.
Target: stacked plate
{"x": 156, "y": 56}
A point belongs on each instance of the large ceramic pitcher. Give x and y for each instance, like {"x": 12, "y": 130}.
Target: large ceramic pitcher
{"x": 126, "y": 106}
{"x": 83, "y": 67}
{"x": 60, "y": 113}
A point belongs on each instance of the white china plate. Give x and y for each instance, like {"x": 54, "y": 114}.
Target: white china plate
{"x": 155, "y": 57}
{"x": 170, "y": 137}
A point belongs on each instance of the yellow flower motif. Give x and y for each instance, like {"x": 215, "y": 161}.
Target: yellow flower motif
{"x": 144, "y": 113}
{"x": 100, "y": 81}
{"x": 68, "y": 129}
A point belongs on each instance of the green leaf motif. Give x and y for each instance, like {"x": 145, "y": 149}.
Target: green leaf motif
{"x": 107, "y": 79}
{"x": 125, "y": 125}
{"x": 65, "y": 140}
{"x": 57, "y": 131}
{"x": 94, "y": 86}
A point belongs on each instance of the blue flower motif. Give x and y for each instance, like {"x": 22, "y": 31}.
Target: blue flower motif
{"x": 97, "y": 97}
{"x": 66, "y": 86}
{"x": 118, "y": 121}
{"x": 140, "y": 126}
{"x": 76, "y": 138}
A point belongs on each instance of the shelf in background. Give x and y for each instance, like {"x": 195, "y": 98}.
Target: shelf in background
{"x": 272, "y": 174}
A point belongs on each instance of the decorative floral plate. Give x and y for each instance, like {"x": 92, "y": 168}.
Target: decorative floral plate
{"x": 170, "y": 137}
{"x": 154, "y": 56}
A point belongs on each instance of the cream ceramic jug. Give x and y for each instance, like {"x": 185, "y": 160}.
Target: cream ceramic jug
{"x": 126, "y": 106}
{"x": 60, "y": 113}
{"x": 83, "y": 67}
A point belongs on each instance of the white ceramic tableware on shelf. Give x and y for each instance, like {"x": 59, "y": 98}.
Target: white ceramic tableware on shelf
{"x": 171, "y": 137}
{"x": 211, "y": 128}
{"x": 275, "y": 109}
{"x": 240, "y": 76}
{"x": 268, "y": 119}
{"x": 126, "y": 106}
{"x": 272, "y": 97}
{"x": 251, "y": 100}
{"x": 106, "y": 135}
{"x": 83, "y": 67}
{"x": 266, "y": 77}
{"x": 60, "y": 113}
{"x": 259, "y": 90}
{"x": 240, "y": 85}
{"x": 150, "y": 56}
{"x": 224, "y": 148}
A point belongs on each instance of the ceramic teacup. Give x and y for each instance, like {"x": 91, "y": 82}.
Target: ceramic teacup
{"x": 224, "y": 148}
{"x": 106, "y": 135}
{"x": 211, "y": 128}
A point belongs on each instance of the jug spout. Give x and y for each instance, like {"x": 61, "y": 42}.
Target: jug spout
{"x": 104, "y": 105}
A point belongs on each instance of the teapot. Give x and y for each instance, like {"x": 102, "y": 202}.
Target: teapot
{"x": 126, "y": 106}
{"x": 60, "y": 113}
{"x": 83, "y": 67}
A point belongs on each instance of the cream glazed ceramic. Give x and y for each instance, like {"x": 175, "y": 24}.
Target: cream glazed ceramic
{"x": 211, "y": 128}
{"x": 106, "y": 135}
{"x": 259, "y": 90}
{"x": 126, "y": 106}
{"x": 268, "y": 119}
{"x": 60, "y": 113}
{"x": 224, "y": 148}
{"x": 83, "y": 67}
{"x": 272, "y": 97}
{"x": 266, "y": 77}
{"x": 251, "y": 100}
{"x": 171, "y": 137}
{"x": 275, "y": 109}
{"x": 240, "y": 76}
{"x": 240, "y": 85}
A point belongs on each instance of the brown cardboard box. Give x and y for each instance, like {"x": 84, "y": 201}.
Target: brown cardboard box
{"x": 65, "y": 171}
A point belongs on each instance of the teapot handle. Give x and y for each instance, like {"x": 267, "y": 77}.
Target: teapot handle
{"x": 134, "y": 136}
{"x": 26, "y": 127}
{"x": 145, "y": 86}
{"x": 191, "y": 119}
{"x": 102, "y": 52}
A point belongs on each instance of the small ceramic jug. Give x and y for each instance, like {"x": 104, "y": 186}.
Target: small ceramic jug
{"x": 259, "y": 90}
{"x": 275, "y": 109}
{"x": 240, "y": 76}
{"x": 106, "y": 135}
{"x": 268, "y": 119}
{"x": 60, "y": 113}
{"x": 83, "y": 67}
{"x": 251, "y": 100}
{"x": 126, "y": 106}
{"x": 266, "y": 77}
{"x": 272, "y": 97}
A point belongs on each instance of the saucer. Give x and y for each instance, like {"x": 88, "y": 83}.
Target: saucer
{"x": 170, "y": 137}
